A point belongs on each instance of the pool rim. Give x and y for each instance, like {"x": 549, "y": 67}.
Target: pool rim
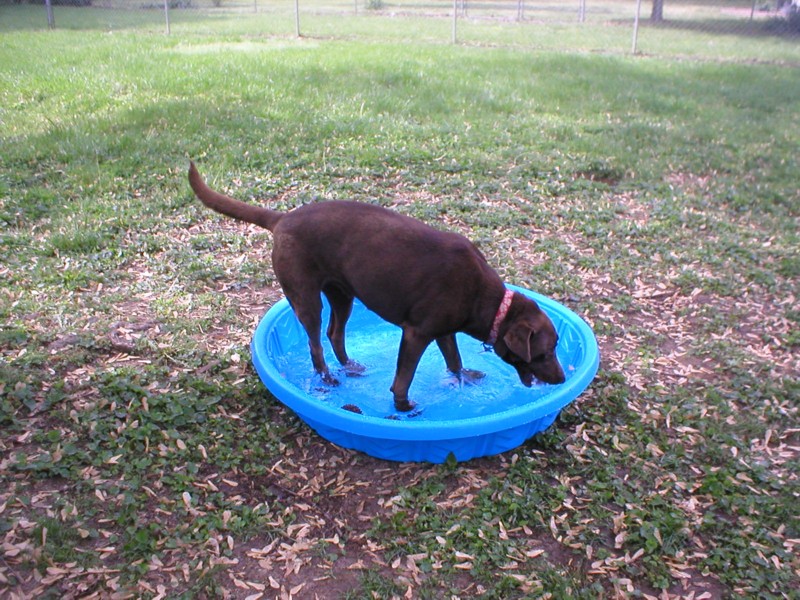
{"x": 309, "y": 407}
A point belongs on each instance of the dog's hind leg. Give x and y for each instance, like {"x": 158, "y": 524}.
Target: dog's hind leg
{"x": 452, "y": 358}
{"x": 309, "y": 313}
{"x": 295, "y": 270}
{"x": 341, "y": 308}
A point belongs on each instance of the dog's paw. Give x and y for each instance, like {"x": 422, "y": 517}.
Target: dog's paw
{"x": 465, "y": 377}
{"x": 470, "y": 376}
{"x": 415, "y": 411}
{"x": 354, "y": 369}
{"x": 404, "y": 405}
{"x": 329, "y": 379}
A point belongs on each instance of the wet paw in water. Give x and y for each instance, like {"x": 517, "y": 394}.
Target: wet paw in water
{"x": 406, "y": 415}
{"x": 465, "y": 377}
{"x": 323, "y": 383}
{"x": 353, "y": 409}
{"x": 327, "y": 379}
{"x": 354, "y": 369}
{"x": 471, "y": 376}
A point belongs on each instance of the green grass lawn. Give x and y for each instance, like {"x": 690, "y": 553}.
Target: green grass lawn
{"x": 139, "y": 454}
{"x": 702, "y": 29}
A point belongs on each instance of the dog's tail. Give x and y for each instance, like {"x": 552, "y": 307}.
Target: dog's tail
{"x": 229, "y": 206}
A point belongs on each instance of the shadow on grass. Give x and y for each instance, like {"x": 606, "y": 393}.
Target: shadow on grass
{"x": 772, "y": 27}
{"x": 330, "y": 121}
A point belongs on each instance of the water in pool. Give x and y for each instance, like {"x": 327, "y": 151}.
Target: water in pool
{"x": 439, "y": 396}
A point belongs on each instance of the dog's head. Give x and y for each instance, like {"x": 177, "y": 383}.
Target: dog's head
{"x": 528, "y": 343}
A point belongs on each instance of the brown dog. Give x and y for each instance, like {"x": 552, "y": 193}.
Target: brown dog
{"x": 431, "y": 283}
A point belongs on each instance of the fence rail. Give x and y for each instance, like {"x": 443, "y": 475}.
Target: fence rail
{"x": 712, "y": 28}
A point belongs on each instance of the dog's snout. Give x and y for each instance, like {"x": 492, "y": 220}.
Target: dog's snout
{"x": 552, "y": 374}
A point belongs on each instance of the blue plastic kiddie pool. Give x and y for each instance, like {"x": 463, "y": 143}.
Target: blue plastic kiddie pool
{"x": 494, "y": 415}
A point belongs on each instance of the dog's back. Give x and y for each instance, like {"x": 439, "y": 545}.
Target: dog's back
{"x": 389, "y": 260}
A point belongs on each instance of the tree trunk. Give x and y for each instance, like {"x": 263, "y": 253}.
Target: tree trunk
{"x": 657, "y": 15}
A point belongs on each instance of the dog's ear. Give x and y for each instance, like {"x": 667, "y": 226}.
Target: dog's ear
{"x": 517, "y": 338}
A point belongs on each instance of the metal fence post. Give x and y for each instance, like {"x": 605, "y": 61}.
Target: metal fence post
{"x": 297, "y": 17}
{"x": 166, "y": 14}
{"x": 636, "y": 27}
{"x": 51, "y": 22}
{"x": 455, "y": 20}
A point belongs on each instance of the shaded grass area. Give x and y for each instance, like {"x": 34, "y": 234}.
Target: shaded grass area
{"x": 141, "y": 456}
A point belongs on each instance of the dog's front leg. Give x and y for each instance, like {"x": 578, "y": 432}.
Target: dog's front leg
{"x": 452, "y": 358}
{"x": 412, "y": 346}
{"x": 449, "y": 349}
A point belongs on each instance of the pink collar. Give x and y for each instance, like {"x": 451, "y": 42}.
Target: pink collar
{"x": 498, "y": 318}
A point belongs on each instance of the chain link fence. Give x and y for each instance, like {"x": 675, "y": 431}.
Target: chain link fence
{"x": 766, "y": 30}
